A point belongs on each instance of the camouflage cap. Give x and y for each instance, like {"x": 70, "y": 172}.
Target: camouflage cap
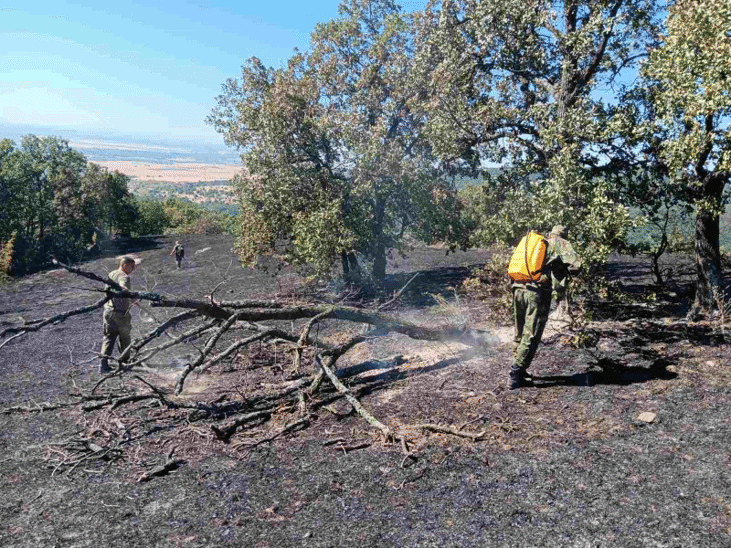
{"x": 560, "y": 230}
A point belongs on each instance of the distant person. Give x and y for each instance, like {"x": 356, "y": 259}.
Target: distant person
{"x": 179, "y": 252}
{"x": 117, "y": 318}
{"x": 532, "y": 302}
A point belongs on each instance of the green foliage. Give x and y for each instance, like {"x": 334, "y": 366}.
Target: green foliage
{"x": 184, "y": 217}
{"x": 490, "y": 282}
{"x": 514, "y": 83}
{"x": 54, "y": 201}
{"x": 152, "y": 217}
{"x": 502, "y": 211}
{"x": 178, "y": 216}
{"x": 684, "y": 106}
{"x": 6, "y": 258}
{"x": 336, "y": 164}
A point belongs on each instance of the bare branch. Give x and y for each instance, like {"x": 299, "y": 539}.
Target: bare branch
{"x": 353, "y": 401}
{"x": 474, "y": 436}
{"x": 52, "y": 320}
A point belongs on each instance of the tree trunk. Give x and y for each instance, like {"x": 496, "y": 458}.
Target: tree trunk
{"x": 707, "y": 247}
{"x": 351, "y": 268}
{"x": 346, "y": 266}
{"x": 379, "y": 247}
{"x": 379, "y": 261}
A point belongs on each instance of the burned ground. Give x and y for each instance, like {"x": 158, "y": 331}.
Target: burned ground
{"x": 623, "y": 440}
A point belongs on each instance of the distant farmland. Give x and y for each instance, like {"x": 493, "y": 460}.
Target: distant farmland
{"x": 173, "y": 172}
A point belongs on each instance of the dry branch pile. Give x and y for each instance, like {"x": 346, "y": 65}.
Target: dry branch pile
{"x": 218, "y": 330}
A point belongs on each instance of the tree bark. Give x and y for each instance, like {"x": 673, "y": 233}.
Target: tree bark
{"x": 379, "y": 246}
{"x": 379, "y": 261}
{"x": 707, "y": 260}
{"x": 351, "y": 268}
{"x": 707, "y": 245}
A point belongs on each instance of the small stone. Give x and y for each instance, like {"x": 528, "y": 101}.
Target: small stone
{"x": 647, "y": 416}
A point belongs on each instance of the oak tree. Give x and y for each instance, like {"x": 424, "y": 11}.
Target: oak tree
{"x": 336, "y": 165}
{"x": 526, "y": 85}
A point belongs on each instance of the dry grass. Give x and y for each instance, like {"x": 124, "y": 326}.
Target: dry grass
{"x": 172, "y": 173}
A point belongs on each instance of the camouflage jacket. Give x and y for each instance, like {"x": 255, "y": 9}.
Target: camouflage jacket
{"x": 121, "y": 305}
{"x": 560, "y": 258}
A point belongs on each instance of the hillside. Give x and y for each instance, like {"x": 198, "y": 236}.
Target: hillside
{"x": 572, "y": 461}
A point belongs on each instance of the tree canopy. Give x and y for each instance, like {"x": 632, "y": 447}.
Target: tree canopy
{"x": 54, "y": 201}
{"x": 597, "y": 115}
{"x": 526, "y": 86}
{"x": 688, "y": 85}
{"x": 337, "y": 166}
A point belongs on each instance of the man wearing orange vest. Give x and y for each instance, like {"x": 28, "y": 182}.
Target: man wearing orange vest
{"x": 532, "y": 303}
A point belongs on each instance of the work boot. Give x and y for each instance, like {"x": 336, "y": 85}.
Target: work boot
{"x": 519, "y": 378}
{"x": 104, "y": 367}
{"x": 516, "y": 379}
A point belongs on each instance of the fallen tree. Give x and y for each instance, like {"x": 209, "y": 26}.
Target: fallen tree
{"x": 218, "y": 330}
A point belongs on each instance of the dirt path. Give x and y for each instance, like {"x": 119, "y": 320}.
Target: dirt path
{"x": 567, "y": 463}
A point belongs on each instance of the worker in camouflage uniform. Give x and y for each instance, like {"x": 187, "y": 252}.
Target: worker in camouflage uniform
{"x": 117, "y": 318}
{"x": 179, "y": 251}
{"x": 532, "y": 303}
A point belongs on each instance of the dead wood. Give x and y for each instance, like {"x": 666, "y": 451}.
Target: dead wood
{"x": 354, "y": 447}
{"x": 40, "y": 324}
{"x": 164, "y": 469}
{"x": 76, "y": 451}
{"x": 474, "y": 436}
{"x": 115, "y": 403}
{"x": 37, "y": 408}
{"x": 259, "y": 318}
{"x": 304, "y": 337}
{"x": 353, "y": 401}
{"x": 398, "y": 294}
{"x": 290, "y": 427}
{"x": 225, "y": 432}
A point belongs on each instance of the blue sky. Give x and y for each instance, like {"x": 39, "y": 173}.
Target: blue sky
{"x": 149, "y": 69}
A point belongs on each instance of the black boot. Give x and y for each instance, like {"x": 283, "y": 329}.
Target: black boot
{"x": 516, "y": 379}
{"x": 519, "y": 378}
{"x": 104, "y": 367}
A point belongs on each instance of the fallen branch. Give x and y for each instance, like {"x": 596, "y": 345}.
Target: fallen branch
{"x": 39, "y": 324}
{"x": 164, "y": 469}
{"x": 397, "y": 296}
{"x": 39, "y": 408}
{"x": 353, "y": 401}
{"x": 453, "y": 431}
{"x": 224, "y": 433}
{"x": 287, "y": 428}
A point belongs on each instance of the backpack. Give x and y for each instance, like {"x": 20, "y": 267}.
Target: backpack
{"x": 528, "y": 257}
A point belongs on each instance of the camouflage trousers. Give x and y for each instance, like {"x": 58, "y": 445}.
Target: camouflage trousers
{"x": 116, "y": 326}
{"x": 530, "y": 313}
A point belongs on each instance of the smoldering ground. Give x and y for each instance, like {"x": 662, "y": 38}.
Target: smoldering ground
{"x": 559, "y": 464}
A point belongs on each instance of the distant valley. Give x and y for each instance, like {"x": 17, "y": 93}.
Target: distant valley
{"x": 158, "y": 168}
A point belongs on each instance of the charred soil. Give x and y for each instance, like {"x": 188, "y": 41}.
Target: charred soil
{"x": 623, "y": 439}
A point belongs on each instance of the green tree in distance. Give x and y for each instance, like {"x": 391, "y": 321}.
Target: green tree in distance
{"x": 56, "y": 200}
